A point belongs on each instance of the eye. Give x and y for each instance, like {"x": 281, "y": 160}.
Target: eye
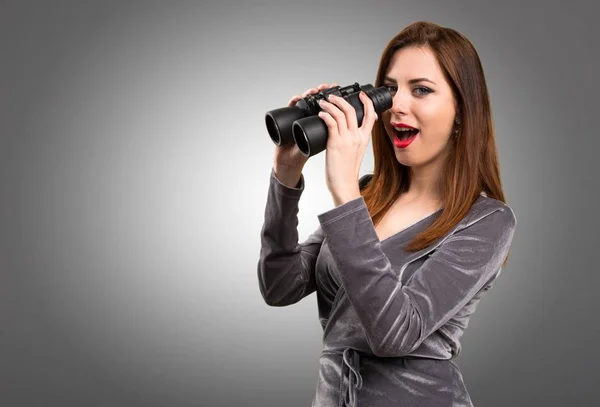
{"x": 427, "y": 90}
{"x": 423, "y": 90}
{"x": 392, "y": 88}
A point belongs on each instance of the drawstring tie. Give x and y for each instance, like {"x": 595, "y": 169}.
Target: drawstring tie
{"x": 351, "y": 360}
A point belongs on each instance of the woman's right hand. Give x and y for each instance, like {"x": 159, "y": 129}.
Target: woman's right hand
{"x": 288, "y": 158}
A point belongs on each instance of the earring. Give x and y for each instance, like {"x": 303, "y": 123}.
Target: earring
{"x": 457, "y": 121}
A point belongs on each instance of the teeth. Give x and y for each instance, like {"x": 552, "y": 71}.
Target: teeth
{"x": 404, "y": 133}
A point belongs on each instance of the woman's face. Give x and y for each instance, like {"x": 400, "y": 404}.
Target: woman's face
{"x": 428, "y": 106}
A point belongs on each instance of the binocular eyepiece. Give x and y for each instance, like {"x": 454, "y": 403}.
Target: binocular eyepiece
{"x": 301, "y": 124}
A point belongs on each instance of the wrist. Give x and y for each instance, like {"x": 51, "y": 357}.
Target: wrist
{"x": 289, "y": 177}
{"x": 347, "y": 196}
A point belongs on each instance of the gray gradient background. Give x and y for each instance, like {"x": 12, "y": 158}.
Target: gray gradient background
{"x": 133, "y": 177}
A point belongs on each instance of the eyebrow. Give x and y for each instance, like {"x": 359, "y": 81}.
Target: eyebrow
{"x": 411, "y": 81}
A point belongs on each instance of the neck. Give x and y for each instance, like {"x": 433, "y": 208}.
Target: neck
{"x": 424, "y": 183}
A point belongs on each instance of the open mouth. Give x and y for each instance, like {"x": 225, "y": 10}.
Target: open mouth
{"x": 404, "y": 135}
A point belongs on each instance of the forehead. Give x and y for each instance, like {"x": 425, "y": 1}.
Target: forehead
{"x": 413, "y": 62}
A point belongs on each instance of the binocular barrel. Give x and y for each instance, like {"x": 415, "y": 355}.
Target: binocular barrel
{"x": 301, "y": 124}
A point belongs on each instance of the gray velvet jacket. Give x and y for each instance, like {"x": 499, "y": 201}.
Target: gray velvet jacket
{"x": 391, "y": 320}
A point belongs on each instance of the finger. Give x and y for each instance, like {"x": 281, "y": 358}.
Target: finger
{"x": 306, "y": 93}
{"x": 310, "y": 91}
{"x": 370, "y": 115}
{"x": 294, "y": 99}
{"x": 335, "y": 112}
{"x": 330, "y": 122}
{"x": 349, "y": 111}
{"x": 322, "y": 86}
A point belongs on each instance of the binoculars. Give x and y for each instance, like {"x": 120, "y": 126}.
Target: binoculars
{"x": 301, "y": 124}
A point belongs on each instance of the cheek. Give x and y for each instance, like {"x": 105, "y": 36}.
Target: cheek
{"x": 436, "y": 120}
{"x": 430, "y": 113}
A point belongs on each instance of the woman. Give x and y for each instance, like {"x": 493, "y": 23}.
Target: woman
{"x": 402, "y": 260}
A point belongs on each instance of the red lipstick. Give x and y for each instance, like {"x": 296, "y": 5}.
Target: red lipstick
{"x": 403, "y": 143}
{"x": 402, "y": 139}
{"x": 394, "y": 124}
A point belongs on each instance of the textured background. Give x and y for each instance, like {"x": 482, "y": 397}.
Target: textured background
{"x": 134, "y": 166}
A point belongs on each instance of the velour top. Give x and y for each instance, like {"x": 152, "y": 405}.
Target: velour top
{"x": 391, "y": 319}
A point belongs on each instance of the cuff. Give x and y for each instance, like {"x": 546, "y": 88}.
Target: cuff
{"x": 351, "y": 236}
{"x": 346, "y": 209}
{"x": 286, "y": 190}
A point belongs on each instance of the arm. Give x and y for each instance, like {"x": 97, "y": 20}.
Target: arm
{"x": 396, "y": 317}
{"x": 286, "y": 268}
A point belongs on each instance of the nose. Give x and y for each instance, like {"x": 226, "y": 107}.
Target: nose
{"x": 400, "y": 102}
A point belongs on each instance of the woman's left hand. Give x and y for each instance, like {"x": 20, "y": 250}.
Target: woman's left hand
{"x": 346, "y": 145}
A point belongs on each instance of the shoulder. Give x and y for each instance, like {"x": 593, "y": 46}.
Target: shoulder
{"x": 490, "y": 211}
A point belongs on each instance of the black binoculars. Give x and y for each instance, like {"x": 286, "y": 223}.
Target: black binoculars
{"x": 301, "y": 124}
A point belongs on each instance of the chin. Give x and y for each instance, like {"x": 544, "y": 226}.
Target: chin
{"x": 404, "y": 160}
{"x": 406, "y": 163}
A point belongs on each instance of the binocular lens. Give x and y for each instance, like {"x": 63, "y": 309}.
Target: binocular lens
{"x": 310, "y": 135}
{"x": 279, "y": 123}
{"x": 300, "y": 139}
{"x": 273, "y": 129}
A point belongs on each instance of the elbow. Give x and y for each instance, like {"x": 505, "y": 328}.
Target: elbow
{"x": 274, "y": 297}
{"x": 404, "y": 346}
{"x": 273, "y": 301}
{"x": 268, "y": 299}
{"x": 270, "y": 296}
{"x": 398, "y": 333}
{"x": 398, "y": 337}
{"x": 391, "y": 350}
{"x": 281, "y": 285}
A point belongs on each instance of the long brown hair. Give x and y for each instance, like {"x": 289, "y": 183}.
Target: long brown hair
{"x": 472, "y": 165}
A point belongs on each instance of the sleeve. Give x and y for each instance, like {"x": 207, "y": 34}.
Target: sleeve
{"x": 286, "y": 268}
{"x": 396, "y": 317}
